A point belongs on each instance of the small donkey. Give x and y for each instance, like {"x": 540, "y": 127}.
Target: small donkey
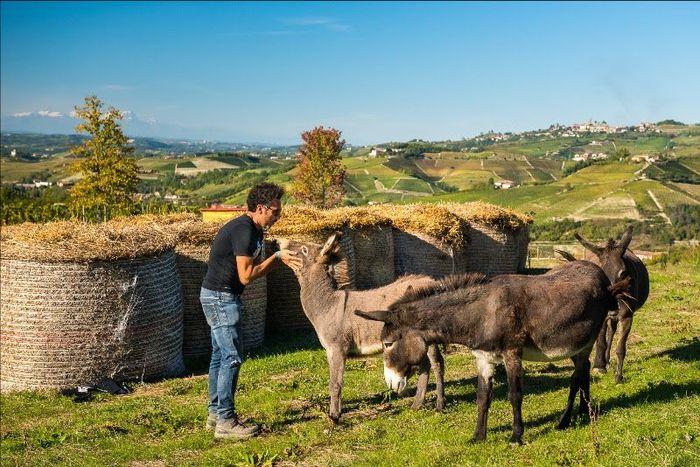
{"x": 508, "y": 318}
{"x": 342, "y": 334}
{"x": 617, "y": 261}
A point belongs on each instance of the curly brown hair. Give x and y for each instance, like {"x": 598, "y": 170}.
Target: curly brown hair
{"x": 263, "y": 193}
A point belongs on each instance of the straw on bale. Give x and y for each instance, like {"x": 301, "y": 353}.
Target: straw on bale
{"x": 85, "y": 301}
{"x": 498, "y": 238}
{"x": 194, "y": 239}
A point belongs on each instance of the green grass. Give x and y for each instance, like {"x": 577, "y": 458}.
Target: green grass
{"x": 650, "y": 419}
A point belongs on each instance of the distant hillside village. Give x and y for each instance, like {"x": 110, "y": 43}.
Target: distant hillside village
{"x": 577, "y": 129}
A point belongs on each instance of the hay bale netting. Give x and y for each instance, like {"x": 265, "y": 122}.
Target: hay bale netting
{"x": 309, "y": 225}
{"x": 82, "y": 302}
{"x": 428, "y": 239}
{"x": 193, "y": 245}
{"x": 373, "y": 247}
{"x": 498, "y": 238}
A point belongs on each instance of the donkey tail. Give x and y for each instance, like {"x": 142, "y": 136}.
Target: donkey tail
{"x": 566, "y": 255}
{"x": 620, "y": 289}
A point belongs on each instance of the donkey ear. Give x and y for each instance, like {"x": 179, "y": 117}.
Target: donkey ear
{"x": 626, "y": 238}
{"x": 588, "y": 245}
{"x": 379, "y": 315}
{"x": 330, "y": 243}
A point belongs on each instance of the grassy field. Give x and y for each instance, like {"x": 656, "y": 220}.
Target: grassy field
{"x": 653, "y": 418}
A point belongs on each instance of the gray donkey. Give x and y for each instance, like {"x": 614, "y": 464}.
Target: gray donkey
{"x": 342, "y": 334}
{"x": 617, "y": 261}
{"x": 507, "y": 318}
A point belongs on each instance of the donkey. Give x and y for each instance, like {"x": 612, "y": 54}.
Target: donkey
{"x": 507, "y": 318}
{"x": 617, "y": 261}
{"x": 342, "y": 334}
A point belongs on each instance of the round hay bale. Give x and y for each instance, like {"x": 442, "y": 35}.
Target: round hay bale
{"x": 373, "y": 256}
{"x": 428, "y": 239}
{"x": 69, "y": 323}
{"x": 194, "y": 242}
{"x": 192, "y": 267}
{"x": 498, "y": 237}
{"x": 496, "y": 251}
{"x": 418, "y": 253}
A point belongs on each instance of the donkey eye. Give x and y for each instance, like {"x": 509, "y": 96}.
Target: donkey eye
{"x": 388, "y": 344}
{"x": 620, "y": 273}
{"x": 304, "y": 251}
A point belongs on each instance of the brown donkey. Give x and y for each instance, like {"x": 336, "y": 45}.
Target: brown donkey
{"x": 342, "y": 334}
{"x": 508, "y": 318}
{"x": 617, "y": 261}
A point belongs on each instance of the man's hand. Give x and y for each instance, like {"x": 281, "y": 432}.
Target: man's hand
{"x": 290, "y": 258}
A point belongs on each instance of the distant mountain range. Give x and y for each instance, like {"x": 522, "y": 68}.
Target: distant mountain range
{"x": 52, "y": 122}
{"x": 33, "y": 146}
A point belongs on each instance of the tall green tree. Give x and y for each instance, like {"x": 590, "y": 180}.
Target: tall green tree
{"x": 106, "y": 162}
{"x": 320, "y": 174}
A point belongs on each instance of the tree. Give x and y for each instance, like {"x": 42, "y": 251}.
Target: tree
{"x": 110, "y": 173}
{"x": 622, "y": 153}
{"x": 320, "y": 176}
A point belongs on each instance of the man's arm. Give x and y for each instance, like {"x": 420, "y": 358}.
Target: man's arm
{"x": 248, "y": 271}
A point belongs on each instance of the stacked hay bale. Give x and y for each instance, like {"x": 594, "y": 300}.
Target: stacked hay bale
{"x": 498, "y": 237}
{"x": 194, "y": 239}
{"x": 428, "y": 239}
{"x": 304, "y": 224}
{"x": 81, "y": 302}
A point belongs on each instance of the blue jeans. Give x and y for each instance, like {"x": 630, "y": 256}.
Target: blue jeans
{"x": 223, "y": 311}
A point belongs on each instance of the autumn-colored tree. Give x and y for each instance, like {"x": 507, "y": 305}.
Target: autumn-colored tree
{"x": 320, "y": 174}
{"x": 110, "y": 173}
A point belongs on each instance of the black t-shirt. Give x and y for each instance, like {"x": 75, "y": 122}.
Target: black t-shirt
{"x": 239, "y": 237}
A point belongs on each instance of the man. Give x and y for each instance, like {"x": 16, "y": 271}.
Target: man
{"x": 234, "y": 262}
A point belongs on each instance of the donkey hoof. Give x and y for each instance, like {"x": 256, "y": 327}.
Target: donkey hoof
{"x": 334, "y": 418}
{"x": 516, "y": 441}
{"x": 563, "y": 424}
{"x": 599, "y": 370}
{"x": 417, "y": 405}
{"x": 619, "y": 379}
{"x": 478, "y": 437}
{"x": 440, "y": 406}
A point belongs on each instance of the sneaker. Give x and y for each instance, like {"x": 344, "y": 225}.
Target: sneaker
{"x": 211, "y": 421}
{"x": 232, "y": 428}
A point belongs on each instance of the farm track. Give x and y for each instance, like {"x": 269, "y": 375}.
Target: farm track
{"x": 658, "y": 205}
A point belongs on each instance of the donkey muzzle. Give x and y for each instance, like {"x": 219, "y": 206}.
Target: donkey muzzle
{"x": 394, "y": 381}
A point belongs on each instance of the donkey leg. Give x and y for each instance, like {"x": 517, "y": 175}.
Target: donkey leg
{"x": 565, "y": 419}
{"x": 600, "y": 348}
{"x": 484, "y": 390}
{"x": 422, "y": 385}
{"x": 583, "y": 369}
{"x": 438, "y": 365}
{"x": 514, "y": 370}
{"x": 336, "y": 364}
{"x": 625, "y": 327}
{"x": 612, "y": 328}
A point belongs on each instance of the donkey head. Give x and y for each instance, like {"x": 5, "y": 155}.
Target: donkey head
{"x": 326, "y": 255}
{"x": 610, "y": 256}
{"x": 404, "y": 348}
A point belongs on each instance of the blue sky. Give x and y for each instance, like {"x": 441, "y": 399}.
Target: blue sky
{"x": 376, "y": 71}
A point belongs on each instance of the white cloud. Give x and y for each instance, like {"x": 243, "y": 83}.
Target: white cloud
{"x": 22, "y": 114}
{"x": 317, "y": 21}
{"x": 50, "y": 113}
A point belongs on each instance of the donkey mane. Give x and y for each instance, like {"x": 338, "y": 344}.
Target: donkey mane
{"x": 448, "y": 284}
